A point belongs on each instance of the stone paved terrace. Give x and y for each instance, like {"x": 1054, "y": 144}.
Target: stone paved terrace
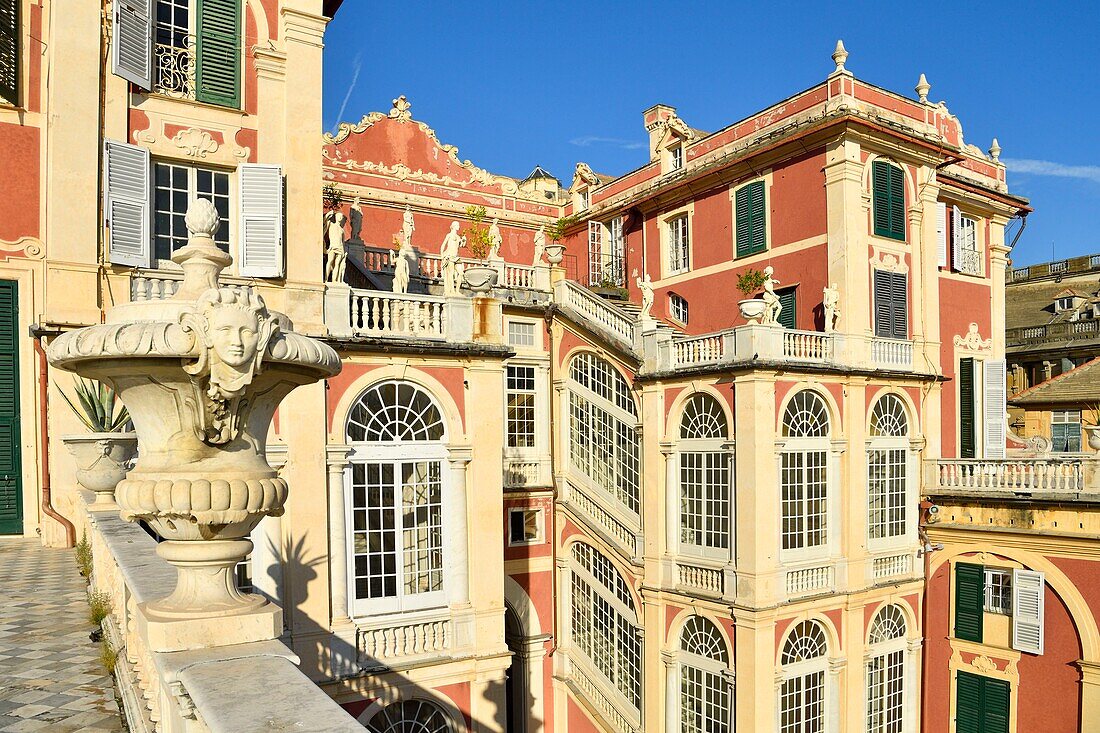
{"x": 51, "y": 677}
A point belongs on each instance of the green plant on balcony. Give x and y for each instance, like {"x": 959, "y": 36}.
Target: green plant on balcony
{"x": 331, "y": 196}
{"x": 750, "y": 281}
{"x": 99, "y": 606}
{"x": 557, "y": 230}
{"x": 478, "y": 240}
{"x": 84, "y": 556}
{"x": 97, "y": 407}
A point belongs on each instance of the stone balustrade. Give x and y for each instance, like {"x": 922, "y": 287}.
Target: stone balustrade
{"x": 594, "y": 310}
{"x": 1064, "y": 477}
{"x": 429, "y": 268}
{"x": 612, "y": 713}
{"x": 229, "y": 688}
{"x": 702, "y": 580}
{"x": 355, "y": 313}
{"x": 615, "y": 530}
{"x": 163, "y": 284}
{"x": 810, "y": 581}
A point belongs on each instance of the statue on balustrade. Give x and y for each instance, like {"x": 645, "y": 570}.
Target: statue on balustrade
{"x": 646, "y": 286}
{"x": 495, "y": 240}
{"x": 401, "y": 266}
{"x": 448, "y": 251}
{"x": 356, "y": 219}
{"x": 830, "y": 301}
{"x": 336, "y": 252}
{"x": 408, "y": 226}
{"x": 540, "y": 246}
{"x": 772, "y": 306}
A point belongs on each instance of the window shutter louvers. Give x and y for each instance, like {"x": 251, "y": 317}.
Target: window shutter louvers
{"x": 1028, "y": 590}
{"x": 788, "y": 316}
{"x": 261, "y": 229}
{"x": 993, "y": 407}
{"x": 969, "y": 601}
{"x": 126, "y": 203}
{"x": 941, "y": 233}
{"x": 956, "y": 238}
{"x": 888, "y": 193}
{"x": 968, "y": 703}
{"x": 219, "y": 52}
{"x": 750, "y": 213}
{"x": 996, "y": 698}
{"x": 132, "y": 55}
{"x": 891, "y": 304}
{"x": 9, "y": 50}
{"x": 966, "y": 408}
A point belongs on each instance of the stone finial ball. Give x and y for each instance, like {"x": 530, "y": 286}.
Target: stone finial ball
{"x": 202, "y": 218}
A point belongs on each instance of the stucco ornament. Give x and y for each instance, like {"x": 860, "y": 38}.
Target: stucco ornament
{"x": 586, "y": 174}
{"x": 830, "y": 302}
{"x": 973, "y": 340}
{"x": 201, "y": 374}
{"x": 772, "y": 306}
{"x": 400, "y": 111}
{"x": 195, "y": 143}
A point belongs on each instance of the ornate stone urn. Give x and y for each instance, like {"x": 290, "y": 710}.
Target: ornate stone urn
{"x": 554, "y": 253}
{"x": 102, "y": 460}
{"x": 480, "y": 278}
{"x": 1093, "y": 441}
{"x": 201, "y": 374}
{"x": 752, "y": 309}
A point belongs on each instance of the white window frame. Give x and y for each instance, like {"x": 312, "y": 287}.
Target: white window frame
{"x": 540, "y": 534}
{"x": 529, "y": 341}
{"x": 802, "y": 671}
{"x": 678, "y": 238}
{"x": 606, "y": 263}
{"x": 820, "y": 449}
{"x": 703, "y": 680}
{"x": 705, "y": 457}
{"x": 890, "y": 445}
{"x": 997, "y": 590}
{"x": 582, "y": 200}
{"x": 532, "y": 394}
{"x": 678, "y": 308}
{"x": 966, "y": 248}
{"x": 888, "y": 657}
{"x": 675, "y": 158}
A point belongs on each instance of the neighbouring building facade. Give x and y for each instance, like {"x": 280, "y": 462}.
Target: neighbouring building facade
{"x": 597, "y": 494}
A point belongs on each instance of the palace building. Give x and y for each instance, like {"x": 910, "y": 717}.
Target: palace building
{"x": 567, "y": 479}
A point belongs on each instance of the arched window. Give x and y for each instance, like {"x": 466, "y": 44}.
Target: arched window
{"x": 705, "y": 477}
{"x": 603, "y": 421}
{"x": 394, "y": 491}
{"x": 886, "y": 672}
{"x": 802, "y": 694}
{"x": 409, "y": 716}
{"x": 604, "y": 624}
{"x": 888, "y": 469}
{"x": 704, "y": 690}
{"x": 804, "y": 472}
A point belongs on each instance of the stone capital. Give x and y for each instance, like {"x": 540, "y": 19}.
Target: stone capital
{"x": 460, "y": 455}
{"x": 336, "y": 457}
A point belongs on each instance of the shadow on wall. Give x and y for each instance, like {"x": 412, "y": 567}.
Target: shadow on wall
{"x": 401, "y": 700}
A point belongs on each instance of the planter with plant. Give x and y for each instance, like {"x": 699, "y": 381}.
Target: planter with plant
{"x": 1092, "y": 427}
{"x": 103, "y": 455}
{"x": 481, "y": 277}
{"x": 749, "y": 282}
{"x": 556, "y": 250}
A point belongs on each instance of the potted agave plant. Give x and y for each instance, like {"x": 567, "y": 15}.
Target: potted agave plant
{"x": 481, "y": 277}
{"x": 104, "y": 455}
{"x": 556, "y": 250}
{"x": 749, "y": 282}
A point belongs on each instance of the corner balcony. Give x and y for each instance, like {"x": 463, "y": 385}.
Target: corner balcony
{"x": 1046, "y": 478}
{"x": 352, "y": 313}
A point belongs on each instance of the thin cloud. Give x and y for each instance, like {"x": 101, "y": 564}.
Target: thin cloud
{"x": 1049, "y": 168}
{"x": 351, "y": 87}
{"x": 590, "y": 140}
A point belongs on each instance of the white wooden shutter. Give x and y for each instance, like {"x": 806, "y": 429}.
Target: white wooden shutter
{"x": 956, "y": 240}
{"x": 941, "y": 233}
{"x": 261, "y": 229}
{"x": 993, "y": 408}
{"x": 126, "y": 203}
{"x": 132, "y": 52}
{"x": 1028, "y": 595}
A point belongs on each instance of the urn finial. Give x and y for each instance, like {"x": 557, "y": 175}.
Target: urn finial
{"x": 201, "y": 260}
{"x": 995, "y": 150}
{"x": 922, "y": 88}
{"x": 840, "y": 55}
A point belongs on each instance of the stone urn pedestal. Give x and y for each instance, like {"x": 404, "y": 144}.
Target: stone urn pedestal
{"x": 480, "y": 278}
{"x": 102, "y": 460}
{"x": 201, "y": 375}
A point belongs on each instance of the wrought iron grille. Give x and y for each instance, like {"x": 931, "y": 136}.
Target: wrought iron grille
{"x": 175, "y": 68}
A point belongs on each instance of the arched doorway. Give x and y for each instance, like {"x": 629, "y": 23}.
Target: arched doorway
{"x": 516, "y": 685}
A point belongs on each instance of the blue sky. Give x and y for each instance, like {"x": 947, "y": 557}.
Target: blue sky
{"x": 522, "y": 83}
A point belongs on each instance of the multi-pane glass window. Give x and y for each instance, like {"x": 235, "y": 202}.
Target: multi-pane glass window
{"x": 409, "y": 716}
{"x": 888, "y": 469}
{"x": 604, "y": 624}
{"x": 968, "y": 258}
{"x": 678, "y": 307}
{"x": 705, "y": 476}
{"x": 1065, "y": 431}
{"x": 174, "y": 188}
{"x": 521, "y": 333}
{"x": 804, "y": 473}
{"x": 678, "y": 244}
{"x": 395, "y": 499}
{"x": 521, "y": 406}
{"x": 676, "y": 158}
{"x": 998, "y": 591}
{"x": 607, "y": 268}
{"x": 886, "y": 672}
{"x": 603, "y": 438}
{"x": 802, "y": 692}
{"x": 704, "y": 690}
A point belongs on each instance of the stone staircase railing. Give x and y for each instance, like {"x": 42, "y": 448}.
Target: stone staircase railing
{"x": 595, "y": 311}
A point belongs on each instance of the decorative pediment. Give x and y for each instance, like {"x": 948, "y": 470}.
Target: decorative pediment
{"x": 583, "y": 175}
{"x": 673, "y": 131}
{"x": 973, "y": 340}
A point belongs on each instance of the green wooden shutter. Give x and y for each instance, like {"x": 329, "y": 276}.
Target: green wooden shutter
{"x": 219, "y": 52}
{"x": 891, "y": 291}
{"x": 888, "y": 192}
{"x": 966, "y": 408}
{"x": 9, "y": 50}
{"x": 788, "y": 317}
{"x": 11, "y": 505}
{"x": 751, "y": 222}
{"x": 996, "y": 698}
{"x": 969, "y": 601}
{"x": 968, "y": 703}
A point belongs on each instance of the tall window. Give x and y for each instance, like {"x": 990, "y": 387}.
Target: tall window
{"x": 886, "y": 672}
{"x": 704, "y": 690}
{"x": 966, "y": 255}
{"x": 521, "y": 406}
{"x": 705, "y": 478}
{"x": 1065, "y": 431}
{"x": 891, "y": 304}
{"x": 678, "y": 244}
{"x": 603, "y": 420}
{"x": 605, "y": 253}
{"x": 750, "y": 214}
{"x": 9, "y": 51}
{"x": 197, "y": 52}
{"x": 604, "y": 623}
{"x": 888, "y": 190}
{"x": 888, "y": 469}
{"x": 802, "y": 694}
{"x": 804, "y": 474}
{"x": 395, "y": 499}
{"x": 678, "y": 307}
{"x": 409, "y": 716}
{"x": 174, "y": 188}
{"x": 676, "y": 158}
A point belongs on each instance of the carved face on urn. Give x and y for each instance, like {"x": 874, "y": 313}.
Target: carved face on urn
{"x": 234, "y": 334}
{"x": 235, "y": 329}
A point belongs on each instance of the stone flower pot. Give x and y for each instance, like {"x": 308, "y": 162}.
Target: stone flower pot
{"x": 1094, "y": 437}
{"x": 554, "y": 253}
{"x": 752, "y": 309}
{"x": 102, "y": 460}
{"x": 480, "y": 278}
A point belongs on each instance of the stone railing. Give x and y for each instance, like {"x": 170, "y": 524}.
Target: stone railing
{"x": 163, "y": 284}
{"x": 807, "y": 346}
{"x": 226, "y": 688}
{"x": 1022, "y": 475}
{"x": 354, "y": 313}
{"x": 699, "y": 350}
{"x": 610, "y": 712}
{"x": 429, "y": 268}
{"x": 891, "y": 566}
{"x": 380, "y": 645}
{"x": 809, "y": 580}
{"x": 1071, "y": 266}
{"x": 893, "y": 353}
{"x": 595, "y": 311}
{"x": 708, "y": 581}
{"x": 1065, "y": 331}
{"x": 616, "y": 530}
{"x": 525, "y": 472}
